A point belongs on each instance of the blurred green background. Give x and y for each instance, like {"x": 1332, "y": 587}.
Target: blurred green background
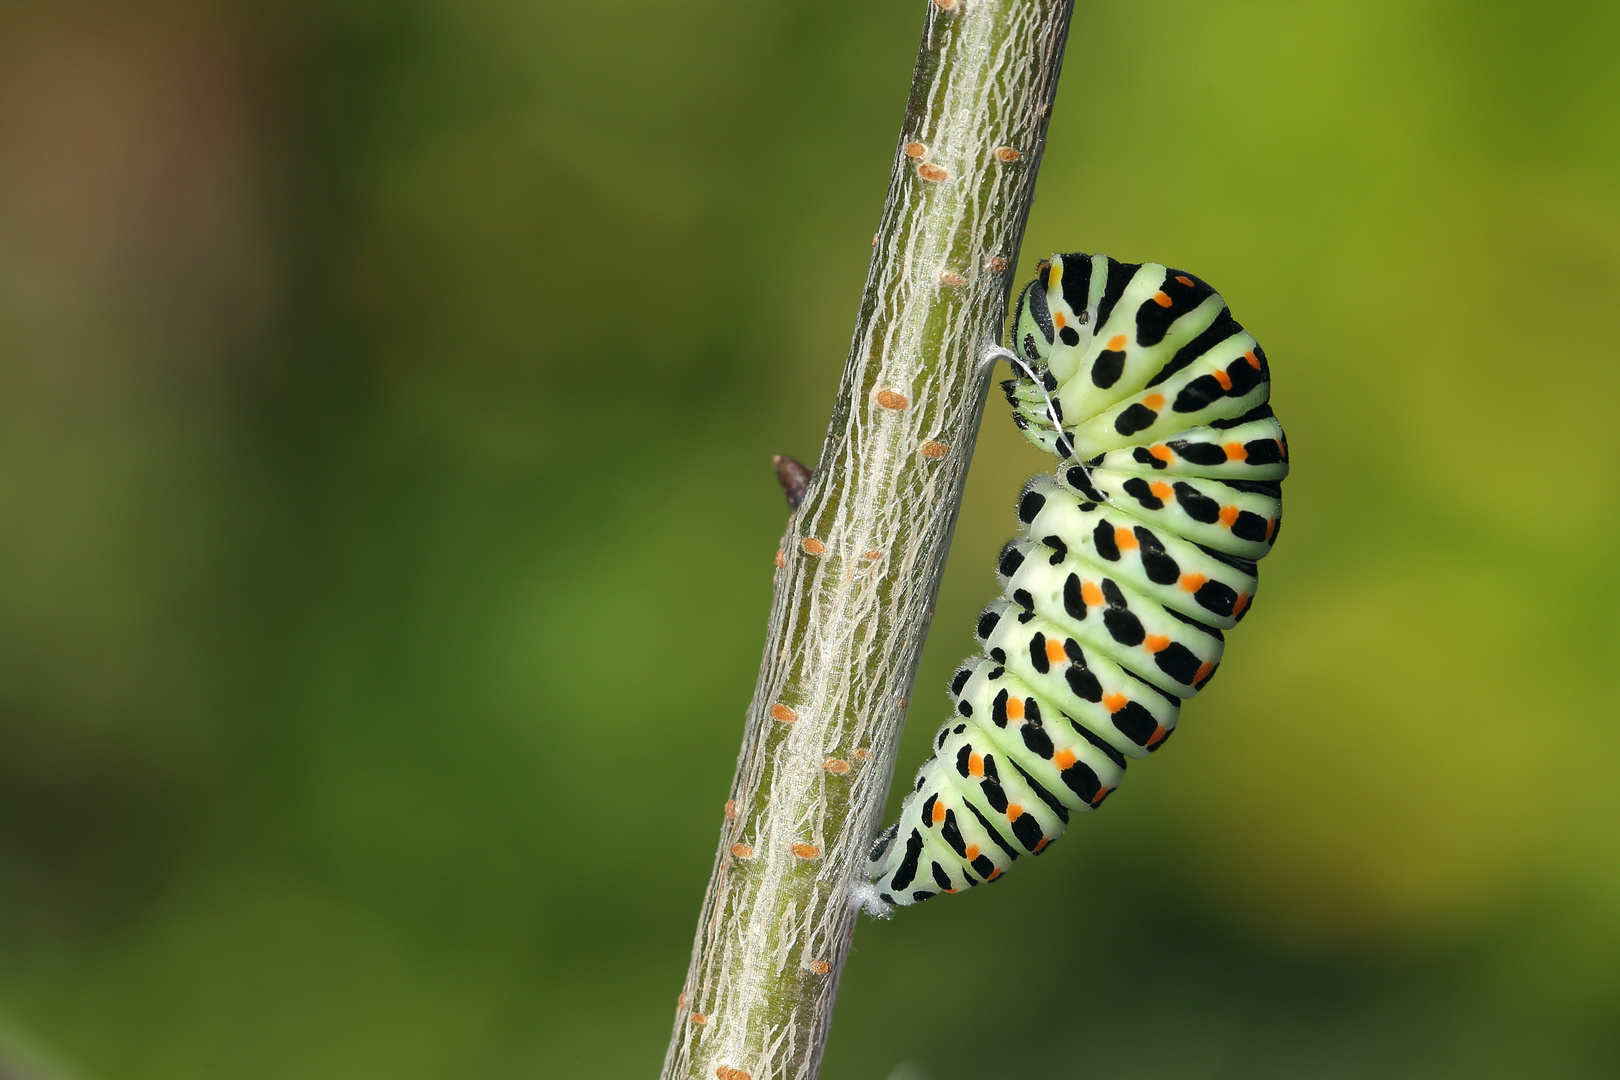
{"x": 373, "y": 373}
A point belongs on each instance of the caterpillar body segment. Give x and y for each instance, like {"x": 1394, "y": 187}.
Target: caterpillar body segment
{"x": 1132, "y": 560}
{"x": 1251, "y": 450}
{"x": 1220, "y": 515}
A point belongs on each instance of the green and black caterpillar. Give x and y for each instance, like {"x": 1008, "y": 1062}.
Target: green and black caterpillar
{"x": 1133, "y": 558}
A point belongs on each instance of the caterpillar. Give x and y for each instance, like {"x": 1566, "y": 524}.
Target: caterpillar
{"x": 1132, "y": 559}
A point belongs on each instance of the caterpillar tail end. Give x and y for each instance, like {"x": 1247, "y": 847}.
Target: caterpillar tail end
{"x": 865, "y": 896}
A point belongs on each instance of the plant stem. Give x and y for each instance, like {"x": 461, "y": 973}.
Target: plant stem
{"x": 862, "y": 558}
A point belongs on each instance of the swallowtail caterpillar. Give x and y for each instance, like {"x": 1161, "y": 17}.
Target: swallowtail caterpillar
{"x": 1134, "y": 556}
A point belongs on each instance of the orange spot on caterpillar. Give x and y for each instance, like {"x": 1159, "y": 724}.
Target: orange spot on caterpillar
{"x": 971, "y": 853}
{"x": 1154, "y": 401}
{"x": 951, "y": 892}
{"x": 1015, "y": 708}
{"x": 934, "y": 173}
{"x": 820, "y": 967}
{"x": 872, "y": 556}
{"x": 1163, "y": 490}
{"x": 1090, "y": 593}
{"x": 1115, "y": 702}
{"x": 1155, "y": 643}
{"x": 1187, "y": 281}
{"x": 1203, "y": 673}
{"x": 1006, "y": 154}
{"x": 939, "y": 811}
{"x": 1064, "y": 758}
{"x": 836, "y": 765}
{"x": 1054, "y": 651}
{"x": 1162, "y": 452}
{"x": 1223, "y": 378}
{"x": 731, "y": 810}
{"x": 1254, "y": 361}
{"x": 998, "y": 263}
{"x": 889, "y": 399}
{"x": 1014, "y": 812}
{"x": 1193, "y": 582}
{"x": 861, "y": 754}
{"x": 1058, "y": 320}
{"x": 975, "y": 765}
{"x": 933, "y": 451}
{"x": 1229, "y": 515}
{"x": 806, "y": 851}
{"x": 1235, "y": 452}
{"x": 726, "y": 1072}
{"x": 1241, "y": 603}
{"x": 1117, "y": 343}
{"x": 945, "y": 5}
{"x": 781, "y": 712}
{"x": 951, "y": 277}
{"x": 812, "y": 546}
{"x": 1097, "y": 798}
{"x": 1271, "y": 528}
{"x": 781, "y": 558}
{"x": 992, "y": 875}
{"x": 680, "y": 1002}
{"x": 1162, "y": 299}
{"x": 915, "y": 149}
{"x": 1281, "y": 449}
{"x": 1158, "y": 736}
{"x": 1125, "y": 539}
{"x": 700, "y": 1019}
{"x": 742, "y": 851}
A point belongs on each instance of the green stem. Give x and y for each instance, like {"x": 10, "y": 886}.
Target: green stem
{"x": 862, "y": 559}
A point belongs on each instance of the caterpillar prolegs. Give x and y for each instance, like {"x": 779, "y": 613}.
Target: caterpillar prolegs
{"x": 1132, "y": 559}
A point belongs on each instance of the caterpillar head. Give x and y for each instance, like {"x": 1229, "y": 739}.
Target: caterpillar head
{"x": 1054, "y": 320}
